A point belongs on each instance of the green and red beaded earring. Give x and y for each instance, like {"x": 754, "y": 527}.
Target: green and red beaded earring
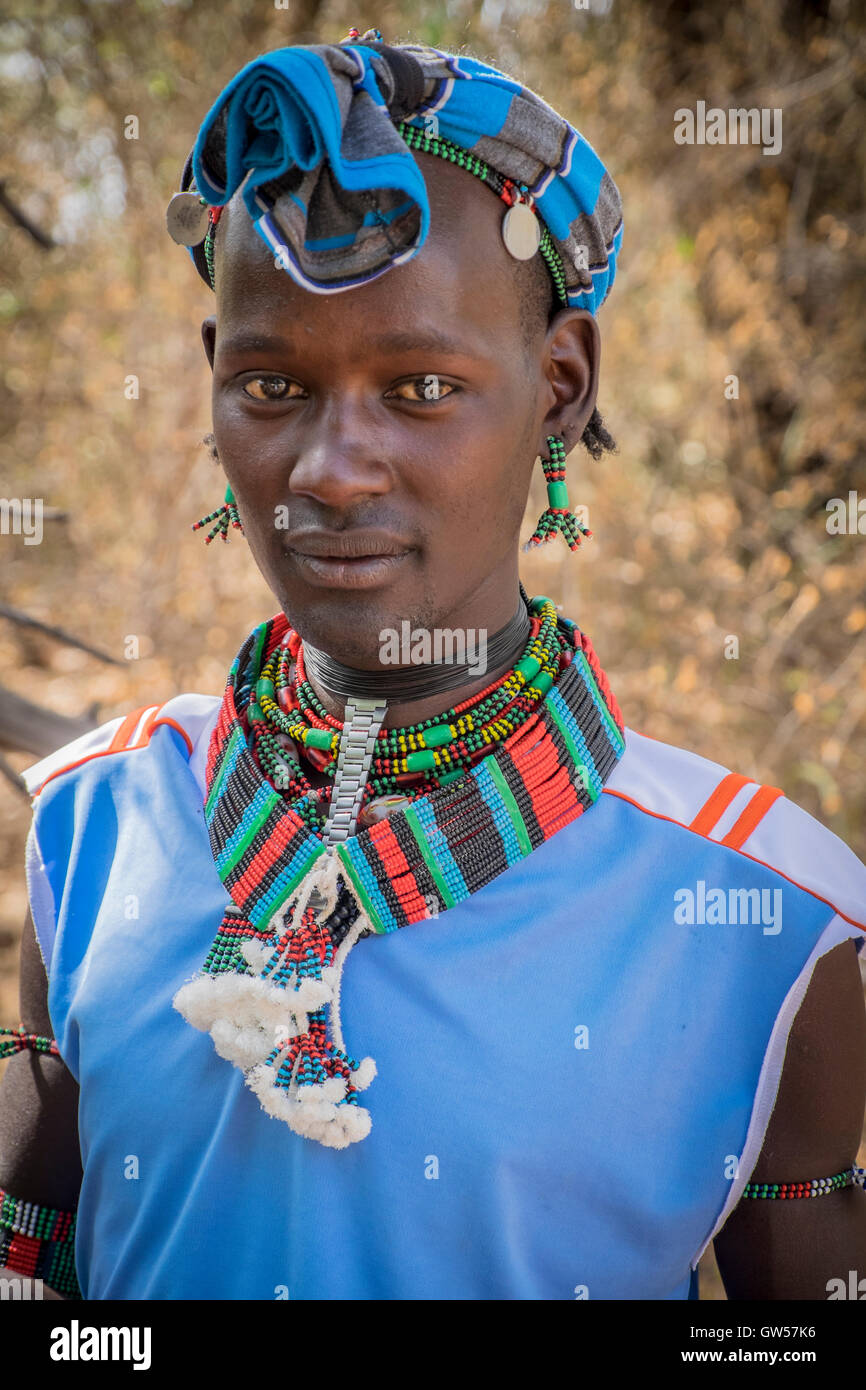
{"x": 558, "y": 515}
{"x": 224, "y": 516}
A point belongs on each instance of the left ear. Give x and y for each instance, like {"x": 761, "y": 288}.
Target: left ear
{"x": 572, "y": 356}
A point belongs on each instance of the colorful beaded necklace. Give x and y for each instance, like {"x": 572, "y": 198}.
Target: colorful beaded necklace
{"x": 284, "y": 711}
{"x": 534, "y": 760}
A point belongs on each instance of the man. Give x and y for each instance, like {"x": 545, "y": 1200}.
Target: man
{"x": 594, "y": 990}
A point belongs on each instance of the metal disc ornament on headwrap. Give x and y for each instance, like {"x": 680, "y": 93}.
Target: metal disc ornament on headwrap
{"x": 186, "y": 219}
{"x": 521, "y": 232}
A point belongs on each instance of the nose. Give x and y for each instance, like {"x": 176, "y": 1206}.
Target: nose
{"x": 340, "y": 465}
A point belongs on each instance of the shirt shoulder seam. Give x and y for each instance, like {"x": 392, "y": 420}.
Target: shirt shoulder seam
{"x": 659, "y": 815}
{"x": 131, "y": 723}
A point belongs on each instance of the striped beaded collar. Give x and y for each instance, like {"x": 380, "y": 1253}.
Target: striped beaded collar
{"x": 443, "y": 847}
{"x": 269, "y": 991}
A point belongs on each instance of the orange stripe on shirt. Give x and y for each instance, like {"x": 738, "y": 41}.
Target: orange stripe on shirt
{"x": 174, "y": 724}
{"x": 144, "y": 736}
{"x": 153, "y": 722}
{"x": 127, "y": 728}
{"x": 715, "y": 806}
{"x": 751, "y": 816}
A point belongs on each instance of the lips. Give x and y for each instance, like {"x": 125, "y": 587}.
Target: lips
{"x": 346, "y": 559}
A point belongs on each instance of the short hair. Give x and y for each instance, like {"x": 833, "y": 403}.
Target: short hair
{"x": 535, "y": 299}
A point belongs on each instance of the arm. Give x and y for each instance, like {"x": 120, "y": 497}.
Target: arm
{"x": 771, "y": 1249}
{"x": 39, "y": 1153}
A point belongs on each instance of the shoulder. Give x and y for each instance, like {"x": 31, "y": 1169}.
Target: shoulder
{"x": 188, "y": 721}
{"x": 75, "y": 794}
{"x": 735, "y": 812}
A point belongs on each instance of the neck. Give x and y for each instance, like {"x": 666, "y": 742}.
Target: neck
{"x": 404, "y": 712}
{"x": 423, "y": 690}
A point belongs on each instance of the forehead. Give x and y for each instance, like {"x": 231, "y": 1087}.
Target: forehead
{"x": 463, "y": 273}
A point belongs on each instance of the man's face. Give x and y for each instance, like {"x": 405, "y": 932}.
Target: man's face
{"x": 379, "y": 441}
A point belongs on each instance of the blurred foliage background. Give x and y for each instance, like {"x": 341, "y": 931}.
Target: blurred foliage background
{"x": 711, "y": 521}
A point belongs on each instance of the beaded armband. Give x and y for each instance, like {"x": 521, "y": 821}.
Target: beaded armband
{"x": 14, "y": 1040}
{"x": 815, "y": 1187}
{"x": 36, "y": 1241}
{"x": 39, "y": 1242}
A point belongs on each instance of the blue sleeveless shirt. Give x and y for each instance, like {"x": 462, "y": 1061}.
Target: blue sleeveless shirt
{"x": 576, "y": 1066}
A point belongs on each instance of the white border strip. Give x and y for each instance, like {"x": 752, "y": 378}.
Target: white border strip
{"x": 137, "y": 732}
{"x": 729, "y": 817}
{"x": 198, "y": 757}
{"x": 40, "y": 897}
{"x": 833, "y": 934}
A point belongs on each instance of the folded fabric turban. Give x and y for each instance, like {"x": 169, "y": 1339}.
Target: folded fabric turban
{"x": 310, "y": 133}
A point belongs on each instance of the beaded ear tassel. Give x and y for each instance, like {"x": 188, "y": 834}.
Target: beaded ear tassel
{"x": 225, "y": 516}
{"x": 558, "y": 515}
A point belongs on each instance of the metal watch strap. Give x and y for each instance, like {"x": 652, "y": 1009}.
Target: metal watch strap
{"x": 361, "y": 724}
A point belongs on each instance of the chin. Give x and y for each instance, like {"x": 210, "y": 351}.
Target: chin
{"x": 348, "y": 625}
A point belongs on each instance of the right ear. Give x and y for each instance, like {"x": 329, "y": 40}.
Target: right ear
{"x": 208, "y": 337}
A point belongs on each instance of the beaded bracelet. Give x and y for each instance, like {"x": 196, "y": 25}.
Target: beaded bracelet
{"x": 39, "y": 1242}
{"x": 815, "y": 1187}
{"x": 36, "y": 1241}
{"x": 14, "y": 1040}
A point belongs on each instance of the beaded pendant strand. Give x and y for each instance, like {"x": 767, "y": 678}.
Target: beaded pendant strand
{"x": 418, "y": 138}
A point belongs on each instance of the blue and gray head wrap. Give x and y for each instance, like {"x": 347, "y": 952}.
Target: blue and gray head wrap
{"x": 311, "y": 135}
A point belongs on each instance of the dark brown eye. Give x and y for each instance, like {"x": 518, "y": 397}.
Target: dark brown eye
{"x": 267, "y": 385}
{"x": 426, "y": 388}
